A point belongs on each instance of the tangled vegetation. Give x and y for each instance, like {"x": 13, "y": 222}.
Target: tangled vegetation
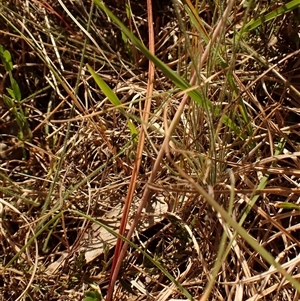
{"x": 181, "y": 134}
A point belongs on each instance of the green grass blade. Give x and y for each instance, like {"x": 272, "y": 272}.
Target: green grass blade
{"x": 288, "y": 206}
{"x": 154, "y": 262}
{"x": 243, "y": 233}
{"x": 106, "y": 90}
{"x": 112, "y": 97}
{"x": 169, "y": 73}
{"x": 271, "y": 15}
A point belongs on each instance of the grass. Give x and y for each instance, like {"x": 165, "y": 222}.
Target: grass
{"x": 197, "y": 170}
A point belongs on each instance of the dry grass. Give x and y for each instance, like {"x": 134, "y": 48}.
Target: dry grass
{"x": 73, "y": 168}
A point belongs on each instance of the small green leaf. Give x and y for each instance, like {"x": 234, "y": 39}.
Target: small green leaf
{"x": 124, "y": 38}
{"x": 7, "y": 61}
{"x": 286, "y": 205}
{"x": 11, "y": 93}
{"x": 112, "y": 97}
{"x": 8, "y": 101}
{"x": 92, "y": 296}
{"x": 16, "y": 88}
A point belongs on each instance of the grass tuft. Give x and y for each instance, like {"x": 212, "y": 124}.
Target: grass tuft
{"x": 210, "y": 156}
